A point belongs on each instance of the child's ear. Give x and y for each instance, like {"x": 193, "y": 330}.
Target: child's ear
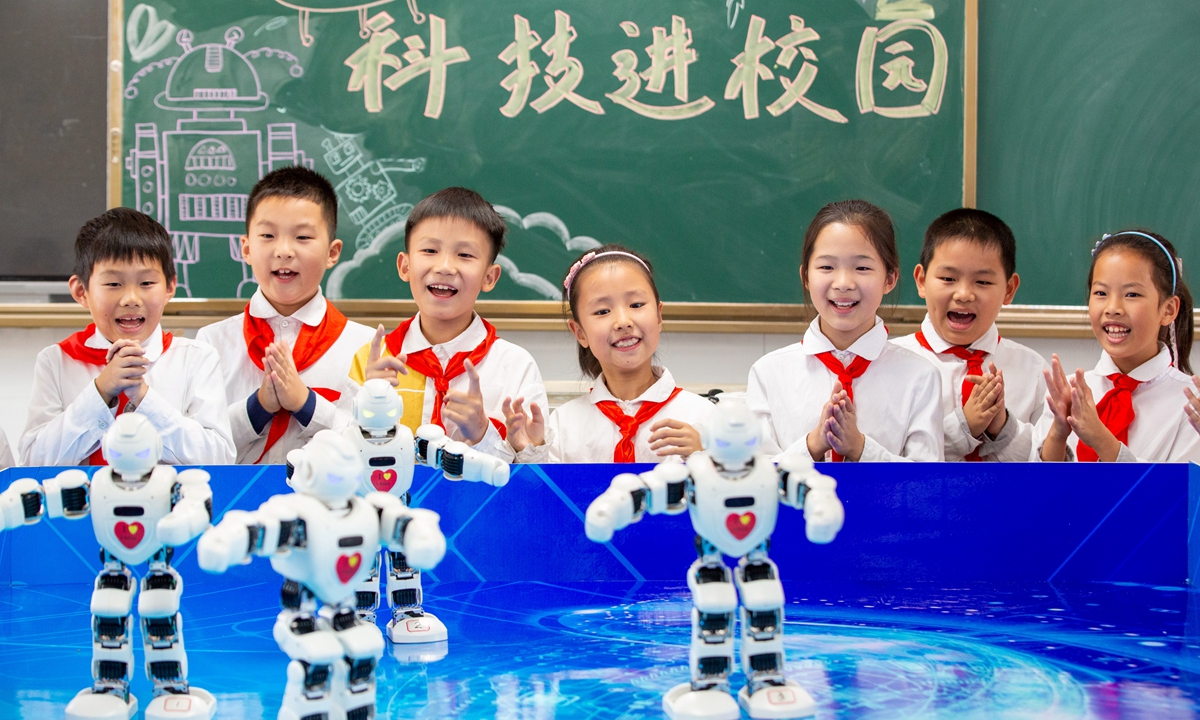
{"x": 246, "y": 248}
{"x": 491, "y": 277}
{"x": 893, "y": 277}
{"x": 1010, "y": 289}
{"x": 402, "y": 266}
{"x": 78, "y": 290}
{"x": 172, "y": 284}
{"x": 1170, "y": 311}
{"x": 919, "y": 278}
{"x": 335, "y": 253}
{"x": 660, "y": 320}
{"x": 577, "y": 331}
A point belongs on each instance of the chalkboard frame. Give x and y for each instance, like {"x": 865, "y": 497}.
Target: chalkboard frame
{"x": 718, "y": 313}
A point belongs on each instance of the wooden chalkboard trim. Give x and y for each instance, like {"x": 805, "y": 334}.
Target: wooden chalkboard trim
{"x": 116, "y": 84}
{"x": 783, "y": 319}
{"x": 970, "y": 100}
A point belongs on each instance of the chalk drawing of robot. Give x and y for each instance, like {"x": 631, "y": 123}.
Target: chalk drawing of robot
{"x": 307, "y": 7}
{"x": 196, "y": 179}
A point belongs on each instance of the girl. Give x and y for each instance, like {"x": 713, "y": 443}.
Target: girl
{"x": 845, "y": 392}
{"x": 1141, "y": 312}
{"x": 634, "y": 412}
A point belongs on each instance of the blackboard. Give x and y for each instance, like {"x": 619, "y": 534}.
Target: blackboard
{"x": 701, "y": 132}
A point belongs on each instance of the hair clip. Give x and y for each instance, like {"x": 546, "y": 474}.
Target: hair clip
{"x": 1175, "y": 262}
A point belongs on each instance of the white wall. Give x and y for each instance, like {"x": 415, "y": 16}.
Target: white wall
{"x": 699, "y": 360}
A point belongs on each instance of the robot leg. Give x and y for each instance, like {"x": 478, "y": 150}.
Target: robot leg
{"x": 410, "y": 623}
{"x": 112, "y": 646}
{"x": 162, "y": 640}
{"x": 714, "y": 602}
{"x": 367, "y": 596}
{"x": 314, "y": 652}
{"x": 354, "y": 675}
{"x": 767, "y": 694}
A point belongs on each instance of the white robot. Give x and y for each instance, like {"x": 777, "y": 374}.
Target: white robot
{"x": 140, "y": 512}
{"x": 389, "y": 452}
{"x": 732, "y": 493}
{"x": 321, "y": 539}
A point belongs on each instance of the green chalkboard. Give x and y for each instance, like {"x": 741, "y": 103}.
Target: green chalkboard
{"x": 705, "y": 133}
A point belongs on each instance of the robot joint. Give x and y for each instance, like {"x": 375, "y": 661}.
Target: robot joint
{"x": 166, "y": 671}
{"x": 767, "y": 663}
{"x": 710, "y": 667}
{"x": 422, "y": 451}
{"x": 711, "y": 574}
{"x": 763, "y": 625}
{"x": 160, "y": 632}
{"x": 452, "y": 464}
{"x": 160, "y": 581}
{"x": 32, "y": 504}
{"x": 74, "y": 500}
{"x": 366, "y": 600}
{"x": 303, "y": 625}
{"x": 208, "y": 507}
{"x": 316, "y": 679}
{"x": 366, "y": 712}
{"x": 758, "y": 571}
{"x": 405, "y": 597}
{"x": 344, "y": 620}
{"x": 111, "y": 670}
{"x": 114, "y": 581}
{"x": 110, "y": 632}
{"x": 400, "y": 564}
{"x": 714, "y": 627}
{"x": 360, "y": 672}
{"x": 291, "y": 595}
{"x": 639, "y": 501}
{"x": 675, "y": 492}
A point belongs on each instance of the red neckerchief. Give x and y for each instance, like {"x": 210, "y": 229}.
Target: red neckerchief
{"x": 974, "y": 359}
{"x": 75, "y": 347}
{"x": 311, "y": 344}
{"x": 1116, "y": 412}
{"x": 426, "y": 362}
{"x": 629, "y": 424}
{"x": 845, "y": 375}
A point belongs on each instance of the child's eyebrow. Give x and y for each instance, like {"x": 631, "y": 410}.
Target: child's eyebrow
{"x": 952, "y": 269}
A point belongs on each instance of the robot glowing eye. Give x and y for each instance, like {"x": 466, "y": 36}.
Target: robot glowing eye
{"x": 722, "y": 443}
{"x": 114, "y": 454}
{"x": 392, "y": 412}
{"x": 368, "y": 414}
{"x": 334, "y": 479}
{"x": 143, "y": 454}
{"x": 751, "y": 442}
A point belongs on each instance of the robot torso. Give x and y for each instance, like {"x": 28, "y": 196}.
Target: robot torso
{"x": 734, "y": 513}
{"x": 338, "y": 548}
{"x": 387, "y": 465}
{"x": 125, "y": 515}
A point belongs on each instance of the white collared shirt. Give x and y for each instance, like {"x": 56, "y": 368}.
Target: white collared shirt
{"x": 578, "y": 432}
{"x": 243, "y": 378}
{"x": 185, "y": 401}
{"x": 1160, "y": 431}
{"x": 898, "y": 399}
{"x": 6, "y": 456}
{"x": 1024, "y": 393}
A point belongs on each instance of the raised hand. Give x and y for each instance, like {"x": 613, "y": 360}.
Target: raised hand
{"x": 124, "y": 373}
{"x": 1001, "y": 418}
{"x": 984, "y": 402}
{"x": 841, "y": 430}
{"x": 818, "y": 438}
{"x": 1058, "y": 400}
{"x": 674, "y": 437}
{"x": 1192, "y": 408}
{"x": 290, "y": 390}
{"x": 465, "y": 409}
{"x": 381, "y": 366}
{"x": 524, "y": 428}
{"x": 1086, "y": 422}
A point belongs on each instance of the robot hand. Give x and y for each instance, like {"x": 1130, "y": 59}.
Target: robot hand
{"x": 67, "y": 494}
{"x": 191, "y": 514}
{"x": 666, "y": 485}
{"x": 795, "y": 470}
{"x": 411, "y": 531}
{"x": 429, "y": 440}
{"x": 823, "y": 511}
{"x": 227, "y": 543}
{"x": 460, "y": 462}
{"x": 622, "y": 503}
{"x": 21, "y": 504}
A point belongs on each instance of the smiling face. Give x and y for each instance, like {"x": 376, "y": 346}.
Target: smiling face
{"x": 847, "y": 280}
{"x": 964, "y": 288}
{"x": 126, "y": 298}
{"x": 289, "y": 249}
{"x": 1126, "y": 309}
{"x": 447, "y": 263}
{"x": 618, "y": 317}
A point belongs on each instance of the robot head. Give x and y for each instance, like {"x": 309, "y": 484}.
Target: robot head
{"x": 377, "y": 407}
{"x": 131, "y": 446}
{"x": 732, "y": 435}
{"x": 328, "y": 467}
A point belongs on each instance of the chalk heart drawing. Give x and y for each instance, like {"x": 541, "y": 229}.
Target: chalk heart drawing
{"x": 147, "y": 44}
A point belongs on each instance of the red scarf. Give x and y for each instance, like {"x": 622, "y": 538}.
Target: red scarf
{"x": 1116, "y": 412}
{"x": 845, "y": 375}
{"x": 426, "y": 362}
{"x": 974, "y": 359}
{"x": 311, "y": 344}
{"x": 75, "y": 346}
{"x": 629, "y": 424}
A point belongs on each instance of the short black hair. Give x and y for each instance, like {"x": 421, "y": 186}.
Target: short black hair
{"x": 976, "y": 225}
{"x": 296, "y": 181}
{"x": 464, "y": 204}
{"x": 122, "y": 235}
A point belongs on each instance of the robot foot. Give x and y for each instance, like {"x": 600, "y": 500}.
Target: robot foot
{"x": 683, "y": 703}
{"x": 412, "y": 653}
{"x": 778, "y": 701}
{"x": 88, "y": 705}
{"x": 420, "y": 629}
{"x": 197, "y": 704}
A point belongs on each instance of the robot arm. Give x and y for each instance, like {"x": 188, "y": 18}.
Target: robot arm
{"x": 240, "y": 535}
{"x": 802, "y": 487}
{"x": 191, "y": 510}
{"x": 21, "y": 504}
{"x": 629, "y": 497}
{"x": 67, "y": 494}
{"x": 458, "y": 461}
{"x": 412, "y": 531}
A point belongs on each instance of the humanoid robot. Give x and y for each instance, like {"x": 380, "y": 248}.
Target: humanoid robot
{"x": 732, "y": 493}
{"x": 321, "y": 539}
{"x": 389, "y": 452}
{"x": 140, "y": 512}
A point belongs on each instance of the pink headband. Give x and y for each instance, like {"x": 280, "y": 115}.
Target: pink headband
{"x": 581, "y": 262}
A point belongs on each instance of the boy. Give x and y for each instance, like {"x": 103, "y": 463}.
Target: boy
{"x": 966, "y": 274}
{"x": 446, "y": 362}
{"x": 123, "y": 361}
{"x": 286, "y": 355}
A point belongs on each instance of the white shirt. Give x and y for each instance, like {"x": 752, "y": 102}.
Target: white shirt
{"x": 898, "y": 398}
{"x": 578, "y": 432}
{"x": 1024, "y": 393}
{"x": 6, "y": 456}
{"x": 507, "y": 371}
{"x": 243, "y": 377}
{"x": 1160, "y": 431}
{"x": 185, "y": 402}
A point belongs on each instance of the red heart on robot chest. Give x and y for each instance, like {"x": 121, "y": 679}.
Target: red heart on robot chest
{"x": 739, "y": 526}
{"x": 347, "y": 565}
{"x": 383, "y": 480}
{"x": 129, "y": 534}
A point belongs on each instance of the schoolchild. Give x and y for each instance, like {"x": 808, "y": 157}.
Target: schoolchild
{"x": 285, "y": 356}
{"x": 124, "y": 362}
{"x": 634, "y": 411}
{"x": 448, "y": 364}
{"x": 1131, "y": 407}
{"x": 845, "y": 392}
{"x": 993, "y": 392}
